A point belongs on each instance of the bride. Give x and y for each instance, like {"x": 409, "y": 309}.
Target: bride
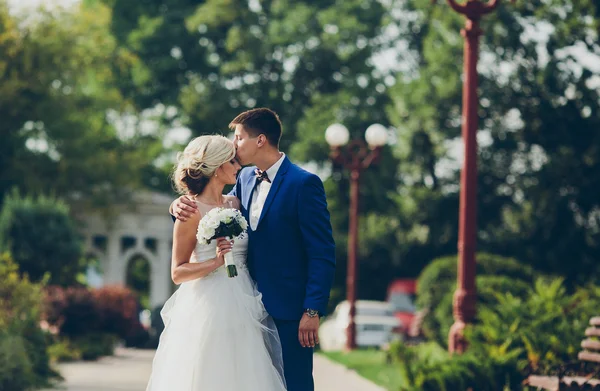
{"x": 217, "y": 336}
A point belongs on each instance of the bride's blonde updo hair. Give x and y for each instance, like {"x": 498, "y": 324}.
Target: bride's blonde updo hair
{"x": 199, "y": 161}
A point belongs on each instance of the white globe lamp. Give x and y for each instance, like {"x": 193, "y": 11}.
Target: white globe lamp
{"x": 376, "y": 135}
{"x": 337, "y": 135}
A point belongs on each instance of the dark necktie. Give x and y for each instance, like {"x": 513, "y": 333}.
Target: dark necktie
{"x": 261, "y": 176}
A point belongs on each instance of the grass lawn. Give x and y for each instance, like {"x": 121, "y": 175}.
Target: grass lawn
{"x": 371, "y": 365}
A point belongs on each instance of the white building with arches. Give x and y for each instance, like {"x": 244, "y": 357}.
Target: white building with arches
{"x": 141, "y": 229}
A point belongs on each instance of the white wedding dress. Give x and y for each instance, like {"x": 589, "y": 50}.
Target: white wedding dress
{"x": 218, "y": 336}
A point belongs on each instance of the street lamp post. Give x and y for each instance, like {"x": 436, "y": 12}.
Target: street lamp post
{"x": 465, "y": 295}
{"x": 355, "y": 157}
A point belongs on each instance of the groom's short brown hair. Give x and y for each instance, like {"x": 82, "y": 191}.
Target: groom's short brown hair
{"x": 260, "y": 121}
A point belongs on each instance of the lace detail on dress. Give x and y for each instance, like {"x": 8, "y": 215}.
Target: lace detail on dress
{"x": 205, "y": 252}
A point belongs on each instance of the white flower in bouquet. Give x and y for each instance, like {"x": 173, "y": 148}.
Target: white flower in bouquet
{"x": 244, "y": 224}
{"x": 222, "y": 223}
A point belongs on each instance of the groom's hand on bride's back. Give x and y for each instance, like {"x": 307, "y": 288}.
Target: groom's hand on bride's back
{"x": 183, "y": 208}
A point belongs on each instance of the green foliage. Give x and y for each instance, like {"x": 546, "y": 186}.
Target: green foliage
{"x": 138, "y": 278}
{"x": 428, "y": 354}
{"x": 42, "y": 238}
{"x": 87, "y": 347}
{"x": 309, "y": 61}
{"x": 16, "y": 372}
{"x": 115, "y": 74}
{"x": 19, "y": 298}
{"x": 536, "y": 329}
{"x": 58, "y": 101}
{"x": 92, "y": 346}
{"x": 439, "y": 277}
{"x": 372, "y": 364}
{"x": 546, "y": 326}
{"x": 538, "y": 157}
{"x": 226, "y": 57}
{"x": 428, "y": 367}
{"x": 21, "y": 337}
{"x": 437, "y": 323}
{"x": 63, "y": 350}
{"x": 437, "y": 283}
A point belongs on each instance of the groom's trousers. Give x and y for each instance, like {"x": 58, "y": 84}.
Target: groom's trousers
{"x": 297, "y": 361}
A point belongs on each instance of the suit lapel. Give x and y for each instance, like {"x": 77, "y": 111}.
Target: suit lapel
{"x": 279, "y": 178}
{"x": 247, "y": 201}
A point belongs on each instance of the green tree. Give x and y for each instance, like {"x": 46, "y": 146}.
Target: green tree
{"x": 538, "y": 160}
{"x": 216, "y": 58}
{"x": 59, "y": 107}
{"x": 42, "y": 238}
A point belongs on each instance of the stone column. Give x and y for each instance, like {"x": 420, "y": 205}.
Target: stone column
{"x": 114, "y": 272}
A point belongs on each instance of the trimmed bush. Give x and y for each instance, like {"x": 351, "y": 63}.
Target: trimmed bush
{"x": 87, "y": 316}
{"x": 73, "y": 310}
{"x": 118, "y": 309}
{"x": 439, "y": 277}
{"x": 41, "y": 237}
{"x": 437, "y": 283}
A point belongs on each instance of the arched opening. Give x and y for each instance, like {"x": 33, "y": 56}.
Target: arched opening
{"x": 93, "y": 275}
{"x": 138, "y": 278}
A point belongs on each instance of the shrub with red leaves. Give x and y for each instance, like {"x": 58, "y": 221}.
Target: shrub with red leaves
{"x": 78, "y": 311}
{"x": 118, "y": 309}
{"x": 73, "y": 310}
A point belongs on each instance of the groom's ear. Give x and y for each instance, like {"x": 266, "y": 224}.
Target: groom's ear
{"x": 261, "y": 140}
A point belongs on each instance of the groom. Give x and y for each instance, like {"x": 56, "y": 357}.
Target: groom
{"x": 291, "y": 252}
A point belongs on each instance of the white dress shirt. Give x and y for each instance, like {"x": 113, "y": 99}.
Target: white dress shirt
{"x": 261, "y": 192}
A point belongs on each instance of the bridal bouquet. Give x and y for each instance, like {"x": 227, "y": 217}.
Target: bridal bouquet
{"x": 222, "y": 223}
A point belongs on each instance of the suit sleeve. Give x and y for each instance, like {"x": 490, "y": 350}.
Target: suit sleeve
{"x": 170, "y": 214}
{"x": 235, "y": 191}
{"x": 317, "y": 236}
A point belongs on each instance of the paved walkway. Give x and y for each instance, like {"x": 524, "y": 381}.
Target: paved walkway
{"x": 331, "y": 376}
{"x": 129, "y": 370}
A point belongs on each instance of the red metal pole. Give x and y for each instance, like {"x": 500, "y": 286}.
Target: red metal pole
{"x": 352, "y": 274}
{"x": 465, "y": 295}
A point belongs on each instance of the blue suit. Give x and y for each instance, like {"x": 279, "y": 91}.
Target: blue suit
{"x": 291, "y": 256}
